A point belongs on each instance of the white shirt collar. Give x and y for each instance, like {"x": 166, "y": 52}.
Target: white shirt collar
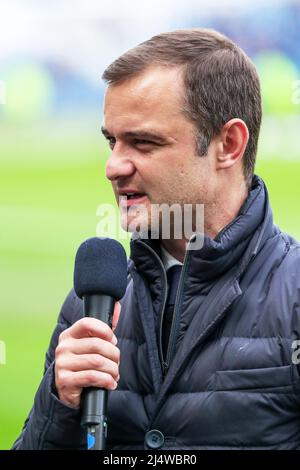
{"x": 168, "y": 259}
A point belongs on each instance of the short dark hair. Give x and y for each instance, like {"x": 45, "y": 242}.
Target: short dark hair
{"x": 220, "y": 82}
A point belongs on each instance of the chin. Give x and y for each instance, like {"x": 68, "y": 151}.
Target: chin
{"x": 135, "y": 224}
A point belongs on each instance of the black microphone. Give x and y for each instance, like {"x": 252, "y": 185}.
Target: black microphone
{"x": 100, "y": 279}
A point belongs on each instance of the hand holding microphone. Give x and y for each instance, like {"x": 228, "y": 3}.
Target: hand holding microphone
{"x": 87, "y": 359}
{"x": 86, "y": 356}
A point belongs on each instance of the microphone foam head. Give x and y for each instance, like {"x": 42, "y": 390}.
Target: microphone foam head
{"x": 100, "y": 268}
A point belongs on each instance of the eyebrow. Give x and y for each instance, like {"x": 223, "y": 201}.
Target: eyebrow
{"x": 146, "y": 135}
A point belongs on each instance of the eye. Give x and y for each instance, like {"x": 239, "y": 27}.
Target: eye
{"x": 143, "y": 142}
{"x": 111, "y": 142}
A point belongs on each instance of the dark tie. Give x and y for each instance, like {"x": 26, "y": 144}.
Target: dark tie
{"x": 173, "y": 275}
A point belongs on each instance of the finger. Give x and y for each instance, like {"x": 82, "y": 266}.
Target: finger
{"x": 88, "y": 346}
{"x": 88, "y": 378}
{"x": 86, "y": 362}
{"x": 89, "y": 327}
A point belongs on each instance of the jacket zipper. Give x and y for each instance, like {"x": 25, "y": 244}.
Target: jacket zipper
{"x": 176, "y": 314}
{"x": 163, "y": 305}
{"x": 166, "y": 361}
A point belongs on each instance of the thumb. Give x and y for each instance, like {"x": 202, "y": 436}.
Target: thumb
{"x": 116, "y": 315}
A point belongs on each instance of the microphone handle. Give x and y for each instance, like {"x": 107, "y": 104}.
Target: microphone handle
{"x": 94, "y": 400}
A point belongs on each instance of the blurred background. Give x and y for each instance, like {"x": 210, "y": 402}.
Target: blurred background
{"x": 52, "y": 156}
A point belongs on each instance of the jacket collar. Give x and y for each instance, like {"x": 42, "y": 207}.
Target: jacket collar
{"x": 236, "y": 244}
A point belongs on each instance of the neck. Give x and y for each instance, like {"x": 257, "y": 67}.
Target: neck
{"x": 176, "y": 248}
{"x": 216, "y": 216}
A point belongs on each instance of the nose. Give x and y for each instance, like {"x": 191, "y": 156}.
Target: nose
{"x": 118, "y": 166}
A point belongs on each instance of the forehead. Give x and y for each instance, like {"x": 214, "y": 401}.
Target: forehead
{"x": 154, "y": 95}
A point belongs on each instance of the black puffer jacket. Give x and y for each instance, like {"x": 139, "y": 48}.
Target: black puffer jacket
{"x": 231, "y": 383}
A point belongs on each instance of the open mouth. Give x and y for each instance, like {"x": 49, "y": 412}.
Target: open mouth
{"x": 131, "y": 198}
{"x": 134, "y": 195}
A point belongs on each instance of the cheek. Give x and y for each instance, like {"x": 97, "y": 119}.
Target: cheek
{"x": 165, "y": 175}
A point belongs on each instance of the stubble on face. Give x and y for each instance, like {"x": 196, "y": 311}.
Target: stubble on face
{"x": 170, "y": 173}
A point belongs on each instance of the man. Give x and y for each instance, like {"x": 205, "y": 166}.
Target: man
{"x": 207, "y": 362}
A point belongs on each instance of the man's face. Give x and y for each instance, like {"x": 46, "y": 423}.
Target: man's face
{"x": 153, "y": 155}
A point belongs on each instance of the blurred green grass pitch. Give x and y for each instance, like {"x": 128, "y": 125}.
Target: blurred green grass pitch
{"x": 50, "y": 189}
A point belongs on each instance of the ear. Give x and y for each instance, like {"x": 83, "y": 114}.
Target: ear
{"x": 234, "y": 137}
